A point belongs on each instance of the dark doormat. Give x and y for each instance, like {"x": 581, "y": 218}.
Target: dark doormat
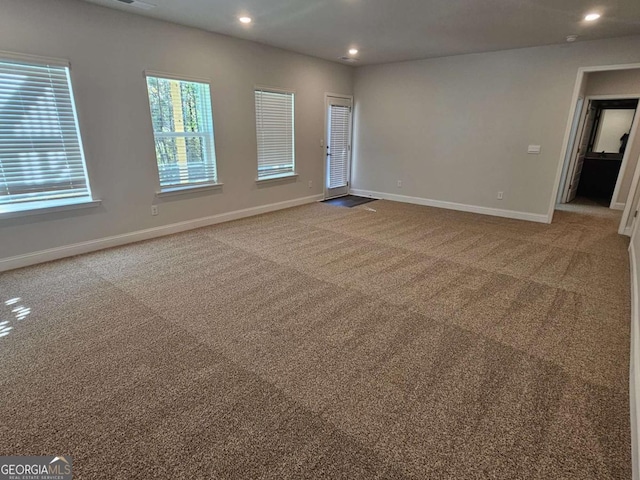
{"x": 349, "y": 201}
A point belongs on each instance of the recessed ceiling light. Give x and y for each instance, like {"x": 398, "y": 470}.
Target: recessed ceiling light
{"x": 245, "y": 19}
{"x": 592, "y": 17}
{"x": 353, "y": 51}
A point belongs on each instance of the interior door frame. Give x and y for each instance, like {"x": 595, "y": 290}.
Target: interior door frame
{"x": 582, "y": 72}
{"x": 577, "y": 132}
{"x": 631, "y": 206}
{"x": 627, "y": 153}
{"x": 578, "y": 140}
{"x": 327, "y": 96}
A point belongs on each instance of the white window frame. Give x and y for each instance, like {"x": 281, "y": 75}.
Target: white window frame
{"x": 37, "y": 207}
{"x": 281, "y": 176}
{"x": 187, "y": 187}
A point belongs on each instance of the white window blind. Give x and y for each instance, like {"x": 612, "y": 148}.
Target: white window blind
{"x": 275, "y": 132}
{"x": 183, "y": 130}
{"x": 340, "y": 130}
{"x": 41, "y": 157}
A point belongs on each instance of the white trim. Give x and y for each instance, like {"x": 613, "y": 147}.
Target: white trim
{"x": 265, "y": 88}
{"x": 275, "y": 178}
{"x": 25, "y": 260}
{"x": 625, "y": 158}
{"x": 630, "y": 205}
{"x": 565, "y": 143}
{"x": 34, "y": 59}
{"x": 74, "y": 109}
{"x": 496, "y": 212}
{"x": 50, "y": 206}
{"x": 338, "y": 95}
{"x": 175, "y": 76}
{"x": 178, "y": 190}
{"x": 613, "y": 96}
{"x": 577, "y": 132}
{"x": 617, "y": 206}
{"x": 606, "y": 68}
{"x": 634, "y": 364}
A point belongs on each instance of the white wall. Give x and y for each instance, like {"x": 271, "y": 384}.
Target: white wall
{"x": 108, "y": 51}
{"x": 456, "y": 129}
{"x": 615, "y": 82}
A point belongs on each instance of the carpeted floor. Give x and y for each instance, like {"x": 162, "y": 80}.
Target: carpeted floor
{"x": 382, "y": 341}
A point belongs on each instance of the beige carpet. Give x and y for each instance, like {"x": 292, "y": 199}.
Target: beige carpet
{"x": 384, "y": 341}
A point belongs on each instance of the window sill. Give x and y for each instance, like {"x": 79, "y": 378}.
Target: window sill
{"x": 46, "y": 206}
{"x": 275, "y": 178}
{"x": 171, "y": 191}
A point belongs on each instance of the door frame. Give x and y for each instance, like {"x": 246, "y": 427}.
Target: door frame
{"x": 577, "y": 132}
{"x": 578, "y": 140}
{"x": 630, "y": 206}
{"x": 327, "y": 96}
{"x": 582, "y": 72}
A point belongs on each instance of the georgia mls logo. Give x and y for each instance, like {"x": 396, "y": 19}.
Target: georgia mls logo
{"x": 35, "y": 468}
{"x": 62, "y": 464}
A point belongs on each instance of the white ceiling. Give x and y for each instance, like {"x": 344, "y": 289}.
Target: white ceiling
{"x": 396, "y": 30}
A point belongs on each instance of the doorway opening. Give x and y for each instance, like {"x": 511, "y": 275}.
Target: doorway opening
{"x": 602, "y": 146}
{"x": 595, "y": 170}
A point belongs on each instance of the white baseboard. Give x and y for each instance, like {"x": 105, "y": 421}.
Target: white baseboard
{"x": 25, "y": 260}
{"x": 634, "y": 369}
{"x": 617, "y": 206}
{"x": 496, "y": 212}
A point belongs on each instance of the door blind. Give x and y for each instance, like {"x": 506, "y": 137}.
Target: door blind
{"x": 41, "y": 154}
{"x": 339, "y": 137}
{"x": 275, "y": 133}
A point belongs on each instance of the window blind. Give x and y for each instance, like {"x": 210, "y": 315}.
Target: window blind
{"x": 183, "y": 129}
{"x": 339, "y": 148}
{"x": 275, "y": 133}
{"x": 41, "y": 155}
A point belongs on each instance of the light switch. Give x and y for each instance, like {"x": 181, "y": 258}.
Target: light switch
{"x": 534, "y": 149}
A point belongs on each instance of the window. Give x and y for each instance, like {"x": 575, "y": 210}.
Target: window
{"x": 183, "y": 131}
{"x": 41, "y": 159}
{"x": 275, "y": 131}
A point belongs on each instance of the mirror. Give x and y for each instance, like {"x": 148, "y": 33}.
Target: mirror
{"x": 613, "y": 130}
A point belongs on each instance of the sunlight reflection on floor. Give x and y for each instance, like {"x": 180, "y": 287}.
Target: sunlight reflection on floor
{"x": 20, "y": 312}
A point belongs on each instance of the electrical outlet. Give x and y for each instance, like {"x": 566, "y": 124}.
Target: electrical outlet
{"x": 399, "y": 183}
{"x": 500, "y": 195}
{"x": 154, "y": 210}
{"x": 310, "y": 184}
{"x": 322, "y": 142}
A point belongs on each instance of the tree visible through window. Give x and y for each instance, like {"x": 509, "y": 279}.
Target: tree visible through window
{"x": 183, "y": 131}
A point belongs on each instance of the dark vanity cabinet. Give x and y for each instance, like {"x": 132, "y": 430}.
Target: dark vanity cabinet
{"x": 599, "y": 175}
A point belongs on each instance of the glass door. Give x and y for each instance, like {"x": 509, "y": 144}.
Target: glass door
{"x": 338, "y": 146}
